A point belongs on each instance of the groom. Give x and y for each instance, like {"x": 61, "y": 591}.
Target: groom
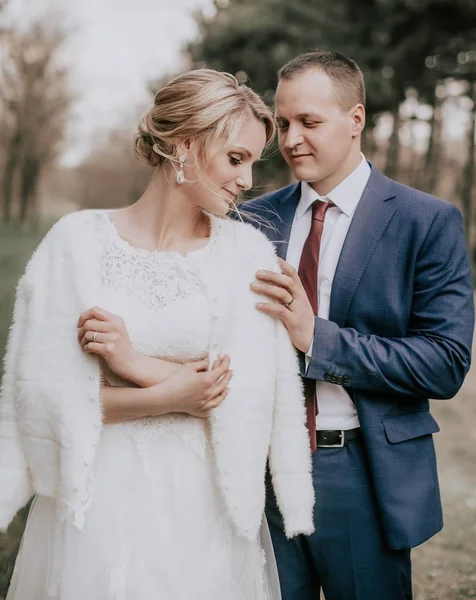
{"x": 385, "y": 269}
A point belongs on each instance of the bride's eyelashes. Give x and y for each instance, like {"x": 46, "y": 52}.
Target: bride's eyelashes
{"x": 235, "y": 159}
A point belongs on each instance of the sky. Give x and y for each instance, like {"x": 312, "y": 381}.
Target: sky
{"x": 116, "y": 47}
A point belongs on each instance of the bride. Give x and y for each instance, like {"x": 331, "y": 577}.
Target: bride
{"x": 143, "y": 392}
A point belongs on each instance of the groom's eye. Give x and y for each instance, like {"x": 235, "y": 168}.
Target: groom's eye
{"x": 310, "y": 123}
{"x": 282, "y": 126}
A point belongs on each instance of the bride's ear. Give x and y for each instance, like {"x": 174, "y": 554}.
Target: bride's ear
{"x": 187, "y": 145}
{"x": 191, "y": 150}
{"x": 185, "y": 148}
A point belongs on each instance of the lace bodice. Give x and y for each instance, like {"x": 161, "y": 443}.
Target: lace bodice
{"x": 167, "y": 315}
{"x": 156, "y": 279}
{"x": 159, "y": 296}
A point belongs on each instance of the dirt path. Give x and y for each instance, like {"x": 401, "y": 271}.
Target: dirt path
{"x": 445, "y": 567}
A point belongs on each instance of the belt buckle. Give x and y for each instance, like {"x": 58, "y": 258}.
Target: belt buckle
{"x": 339, "y": 445}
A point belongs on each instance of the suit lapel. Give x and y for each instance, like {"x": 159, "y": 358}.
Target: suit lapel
{"x": 282, "y": 219}
{"x": 372, "y": 216}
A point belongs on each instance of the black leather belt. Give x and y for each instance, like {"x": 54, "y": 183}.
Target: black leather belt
{"x": 337, "y": 438}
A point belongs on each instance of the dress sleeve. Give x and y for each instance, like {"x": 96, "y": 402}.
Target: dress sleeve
{"x": 290, "y": 455}
{"x": 15, "y": 485}
{"x": 290, "y": 452}
{"x": 15, "y": 481}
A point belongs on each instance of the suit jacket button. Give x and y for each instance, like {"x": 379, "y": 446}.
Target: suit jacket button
{"x": 346, "y": 380}
{"x": 327, "y": 377}
{"x": 333, "y": 378}
{"x": 339, "y": 380}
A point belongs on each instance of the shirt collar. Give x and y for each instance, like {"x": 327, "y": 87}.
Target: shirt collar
{"x": 345, "y": 196}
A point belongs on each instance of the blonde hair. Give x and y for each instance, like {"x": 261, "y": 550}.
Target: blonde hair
{"x": 202, "y": 105}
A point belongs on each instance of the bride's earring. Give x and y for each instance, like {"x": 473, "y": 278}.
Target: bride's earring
{"x": 181, "y": 174}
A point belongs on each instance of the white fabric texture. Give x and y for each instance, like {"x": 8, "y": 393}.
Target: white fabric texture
{"x": 50, "y": 409}
{"x": 156, "y": 525}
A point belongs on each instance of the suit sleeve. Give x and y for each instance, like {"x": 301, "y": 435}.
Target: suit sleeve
{"x": 434, "y": 357}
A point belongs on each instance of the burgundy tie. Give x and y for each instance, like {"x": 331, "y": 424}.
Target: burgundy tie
{"x": 308, "y": 267}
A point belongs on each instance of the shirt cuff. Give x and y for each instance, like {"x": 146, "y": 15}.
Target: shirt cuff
{"x": 308, "y": 356}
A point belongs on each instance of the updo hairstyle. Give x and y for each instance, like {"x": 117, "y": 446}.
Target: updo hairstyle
{"x": 201, "y": 105}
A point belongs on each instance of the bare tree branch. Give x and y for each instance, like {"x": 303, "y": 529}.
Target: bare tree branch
{"x": 34, "y": 107}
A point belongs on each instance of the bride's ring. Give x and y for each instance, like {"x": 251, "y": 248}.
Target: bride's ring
{"x": 95, "y": 336}
{"x": 288, "y": 304}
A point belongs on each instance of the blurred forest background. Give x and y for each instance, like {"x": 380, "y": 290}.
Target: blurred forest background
{"x": 419, "y": 61}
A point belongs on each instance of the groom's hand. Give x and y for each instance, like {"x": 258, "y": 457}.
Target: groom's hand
{"x": 290, "y": 303}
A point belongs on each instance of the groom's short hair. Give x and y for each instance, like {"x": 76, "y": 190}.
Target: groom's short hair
{"x": 345, "y": 74}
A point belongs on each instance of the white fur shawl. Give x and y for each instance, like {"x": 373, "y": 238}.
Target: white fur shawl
{"x": 50, "y": 413}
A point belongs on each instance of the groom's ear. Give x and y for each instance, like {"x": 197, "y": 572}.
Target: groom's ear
{"x": 357, "y": 115}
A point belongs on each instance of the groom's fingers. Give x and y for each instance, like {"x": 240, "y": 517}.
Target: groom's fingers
{"x": 277, "y": 286}
{"x": 273, "y": 309}
{"x": 280, "y": 294}
{"x": 287, "y": 269}
{"x": 278, "y": 279}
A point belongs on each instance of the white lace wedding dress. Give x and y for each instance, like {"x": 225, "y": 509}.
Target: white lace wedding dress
{"x": 156, "y": 527}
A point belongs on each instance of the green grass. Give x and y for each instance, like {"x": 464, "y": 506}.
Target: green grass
{"x": 16, "y": 247}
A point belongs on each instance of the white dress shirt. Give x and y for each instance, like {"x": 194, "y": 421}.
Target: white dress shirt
{"x": 336, "y": 409}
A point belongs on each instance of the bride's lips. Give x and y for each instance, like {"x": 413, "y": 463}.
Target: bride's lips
{"x": 230, "y": 194}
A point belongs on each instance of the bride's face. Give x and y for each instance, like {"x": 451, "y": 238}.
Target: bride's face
{"x": 228, "y": 169}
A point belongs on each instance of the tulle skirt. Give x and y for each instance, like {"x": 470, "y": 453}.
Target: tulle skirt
{"x": 156, "y": 528}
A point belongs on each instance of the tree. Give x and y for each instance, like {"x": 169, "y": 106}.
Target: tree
{"x": 111, "y": 176}
{"x": 390, "y": 40}
{"x": 35, "y": 100}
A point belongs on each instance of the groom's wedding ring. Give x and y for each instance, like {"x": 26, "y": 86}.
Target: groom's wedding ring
{"x": 95, "y": 336}
{"x": 288, "y": 304}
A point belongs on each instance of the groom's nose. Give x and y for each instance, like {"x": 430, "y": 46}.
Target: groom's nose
{"x": 292, "y": 137}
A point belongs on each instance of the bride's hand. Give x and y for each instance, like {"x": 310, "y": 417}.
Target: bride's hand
{"x": 105, "y": 334}
{"x": 195, "y": 390}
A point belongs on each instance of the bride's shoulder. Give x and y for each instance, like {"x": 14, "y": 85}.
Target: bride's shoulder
{"x": 70, "y": 222}
{"x": 66, "y": 235}
{"x": 74, "y": 226}
{"x": 250, "y": 241}
{"x": 82, "y": 218}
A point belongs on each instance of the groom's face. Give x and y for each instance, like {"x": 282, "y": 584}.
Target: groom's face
{"x": 316, "y": 133}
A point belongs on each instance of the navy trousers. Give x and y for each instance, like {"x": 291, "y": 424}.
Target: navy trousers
{"x": 347, "y": 556}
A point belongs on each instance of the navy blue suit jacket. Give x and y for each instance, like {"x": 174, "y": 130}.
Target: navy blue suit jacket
{"x": 399, "y": 332}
